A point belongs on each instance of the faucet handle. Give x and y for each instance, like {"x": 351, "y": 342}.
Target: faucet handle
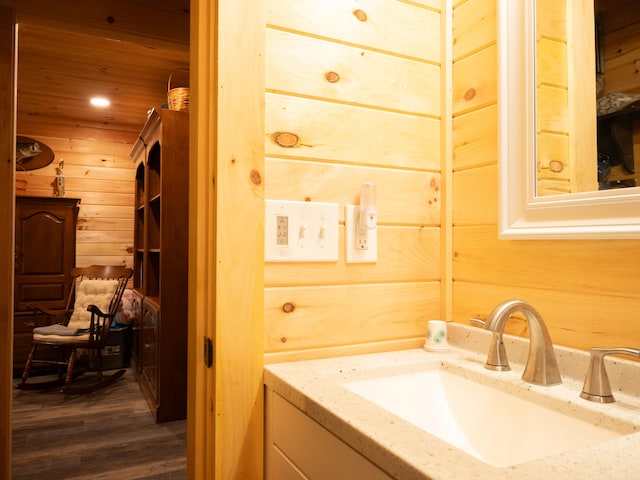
{"x": 477, "y": 322}
{"x": 596, "y": 386}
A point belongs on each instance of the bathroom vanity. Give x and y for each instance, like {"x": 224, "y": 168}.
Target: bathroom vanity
{"x": 333, "y": 417}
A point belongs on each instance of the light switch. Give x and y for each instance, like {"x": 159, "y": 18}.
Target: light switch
{"x": 300, "y": 231}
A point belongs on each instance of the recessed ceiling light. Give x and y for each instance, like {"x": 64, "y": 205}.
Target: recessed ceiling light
{"x": 100, "y": 102}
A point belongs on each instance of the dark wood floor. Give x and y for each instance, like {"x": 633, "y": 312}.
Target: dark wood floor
{"x": 108, "y": 434}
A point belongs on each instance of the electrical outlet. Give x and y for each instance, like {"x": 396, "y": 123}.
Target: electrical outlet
{"x": 359, "y": 250}
{"x": 300, "y": 231}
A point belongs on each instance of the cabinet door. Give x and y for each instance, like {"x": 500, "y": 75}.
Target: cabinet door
{"x": 299, "y": 448}
{"x": 44, "y": 251}
{"x": 149, "y": 354}
{"x": 136, "y": 324}
{"x": 45, "y": 246}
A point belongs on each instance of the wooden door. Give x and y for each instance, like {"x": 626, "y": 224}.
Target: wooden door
{"x": 226, "y": 236}
{"x": 7, "y": 195}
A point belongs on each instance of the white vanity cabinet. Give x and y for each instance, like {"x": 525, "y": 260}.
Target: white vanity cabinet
{"x": 298, "y": 448}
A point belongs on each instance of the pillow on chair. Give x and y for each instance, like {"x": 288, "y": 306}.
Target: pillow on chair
{"x": 88, "y": 292}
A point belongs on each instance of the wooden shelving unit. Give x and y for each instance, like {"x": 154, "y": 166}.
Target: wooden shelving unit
{"x": 160, "y": 261}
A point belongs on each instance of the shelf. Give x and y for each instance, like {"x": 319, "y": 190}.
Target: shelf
{"x": 138, "y": 228}
{"x": 153, "y": 273}
{"x": 154, "y": 227}
{"x": 140, "y": 187}
{"x": 154, "y": 170}
{"x": 138, "y": 269}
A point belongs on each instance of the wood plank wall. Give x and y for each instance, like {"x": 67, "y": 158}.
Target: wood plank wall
{"x": 552, "y": 122}
{"x": 101, "y": 174}
{"x": 587, "y": 290}
{"x": 621, "y": 27}
{"x": 359, "y": 84}
{"x": 621, "y": 45}
{"x": 566, "y": 155}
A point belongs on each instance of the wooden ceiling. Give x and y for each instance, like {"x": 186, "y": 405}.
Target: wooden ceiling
{"x": 64, "y": 60}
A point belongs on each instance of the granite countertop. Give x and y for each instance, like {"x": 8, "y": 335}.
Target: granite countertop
{"x": 407, "y": 452}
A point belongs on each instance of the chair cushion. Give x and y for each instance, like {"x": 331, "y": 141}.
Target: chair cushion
{"x": 91, "y": 292}
{"x": 55, "y": 329}
{"x": 57, "y": 339}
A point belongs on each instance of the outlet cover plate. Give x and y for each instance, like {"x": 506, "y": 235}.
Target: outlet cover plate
{"x": 353, "y": 253}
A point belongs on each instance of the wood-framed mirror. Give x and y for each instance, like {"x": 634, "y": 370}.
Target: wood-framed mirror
{"x": 524, "y": 213}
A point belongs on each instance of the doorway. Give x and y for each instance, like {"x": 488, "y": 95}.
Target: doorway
{"x": 44, "y": 109}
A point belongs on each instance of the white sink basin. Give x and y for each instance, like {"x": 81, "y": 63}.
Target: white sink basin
{"x": 496, "y": 427}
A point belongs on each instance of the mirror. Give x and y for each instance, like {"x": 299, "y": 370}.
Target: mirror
{"x": 523, "y": 213}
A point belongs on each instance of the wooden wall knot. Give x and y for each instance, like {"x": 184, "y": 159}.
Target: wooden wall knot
{"x": 556, "y": 166}
{"x": 285, "y": 139}
{"x": 360, "y": 15}
{"x": 332, "y": 77}
{"x": 288, "y": 307}
{"x": 255, "y": 177}
{"x": 470, "y": 94}
{"x": 435, "y": 187}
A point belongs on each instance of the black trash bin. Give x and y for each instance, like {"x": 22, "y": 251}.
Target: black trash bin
{"x": 117, "y": 352}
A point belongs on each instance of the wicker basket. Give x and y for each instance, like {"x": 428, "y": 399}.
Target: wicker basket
{"x": 178, "y": 97}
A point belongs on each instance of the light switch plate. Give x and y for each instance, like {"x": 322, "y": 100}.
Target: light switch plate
{"x": 353, "y": 253}
{"x": 300, "y": 231}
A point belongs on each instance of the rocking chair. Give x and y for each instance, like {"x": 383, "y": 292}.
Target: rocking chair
{"x": 83, "y": 326}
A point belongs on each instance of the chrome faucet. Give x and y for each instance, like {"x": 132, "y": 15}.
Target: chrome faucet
{"x": 541, "y": 367}
{"x": 596, "y": 382}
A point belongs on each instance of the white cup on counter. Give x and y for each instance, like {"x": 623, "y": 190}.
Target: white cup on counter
{"x": 436, "y": 336}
